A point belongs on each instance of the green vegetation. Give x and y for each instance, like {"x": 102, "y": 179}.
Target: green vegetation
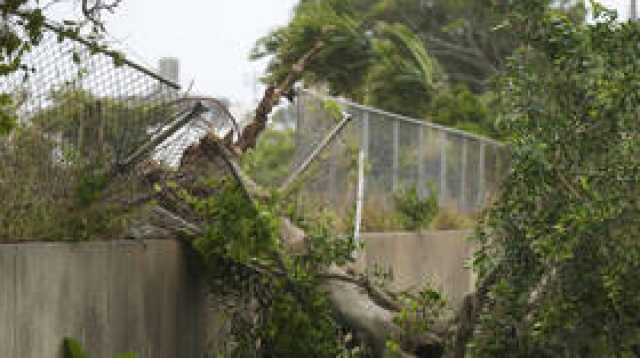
{"x": 559, "y": 251}
{"x": 53, "y": 168}
{"x": 562, "y": 241}
{"x": 7, "y": 117}
{"x": 360, "y": 56}
{"x": 270, "y": 162}
{"x": 410, "y": 213}
{"x": 241, "y": 251}
{"x": 459, "y": 108}
{"x": 420, "y": 311}
{"x": 73, "y": 349}
{"x": 32, "y": 187}
{"x": 434, "y": 60}
{"x": 415, "y": 213}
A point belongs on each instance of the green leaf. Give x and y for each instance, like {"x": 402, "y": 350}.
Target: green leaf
{"x": 73, "y": 349}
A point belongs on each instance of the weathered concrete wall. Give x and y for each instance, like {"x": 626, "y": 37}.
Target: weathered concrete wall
{"x": 413, "y": 258}
{"x": 114, "y": 297}
{"x": 145, "y": 297}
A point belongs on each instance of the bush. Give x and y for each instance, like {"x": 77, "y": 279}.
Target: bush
{"x": 415, "y": 213}
{"x": 52, "y": 167}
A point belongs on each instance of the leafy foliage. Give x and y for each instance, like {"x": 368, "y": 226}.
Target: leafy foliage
{"x": 7, "y": 119}
{"x": 420, "y": 311}
{"x": 53, "y": 168}
{"x": 459, "y": 108}
{"x": 415, "y": 212}
{"x": 270, "y": 161}
{"x": 242, "y": 253}
{"x": 73, "y": 349}
{"x": 564, "y": 235}
{"x": 346, "y": 55}
{"x": 236, "y": 229}
{"x": 425, "y": 59}
{"x": 404, "y": 76}
{"x": 359, "y": 58}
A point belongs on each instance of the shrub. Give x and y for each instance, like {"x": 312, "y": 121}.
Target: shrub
{"x": 414, "y": 212}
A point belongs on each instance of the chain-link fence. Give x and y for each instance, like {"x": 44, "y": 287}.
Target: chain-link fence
{"x": 80, "y": 114}
{"x": 380, "y": 155}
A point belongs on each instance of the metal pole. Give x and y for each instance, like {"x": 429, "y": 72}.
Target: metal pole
{"x": 633, "y": 11}
{"x": 362, "y": 157}
{"x": 443, "y": 167}
{"x": 152, "y": 143}
{"x": 481, "y": 178}
{"x": 333, "y": 174}
{"x": 300, "y": 127}
{"x": 396, "y": 149}
{"x": 422, "y": 190}
{"x": 463, "y": 180}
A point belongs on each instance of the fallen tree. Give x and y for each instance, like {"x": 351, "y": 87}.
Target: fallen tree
{"x": 369, "y": 311}
{"x": 366, "y": 309}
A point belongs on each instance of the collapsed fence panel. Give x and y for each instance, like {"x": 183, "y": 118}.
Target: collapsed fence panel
{"x": 80, "y": 114}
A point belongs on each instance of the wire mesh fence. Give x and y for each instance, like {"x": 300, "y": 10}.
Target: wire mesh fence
{"x": 79, "y": 114}
{"x": 394, "y": 154}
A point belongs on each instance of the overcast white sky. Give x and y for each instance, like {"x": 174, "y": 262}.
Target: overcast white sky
{"x": 623, "y": 7}
{"x": 212, "y": 38}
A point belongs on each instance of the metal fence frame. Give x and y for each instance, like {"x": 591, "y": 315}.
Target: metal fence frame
{"x": 364, "y": 117}
{"x": 86, "y": 117}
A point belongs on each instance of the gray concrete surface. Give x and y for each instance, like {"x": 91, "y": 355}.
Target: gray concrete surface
{"x": 114, "y": 297}
{"x": 414, "y": 258}
{"x": 145, "y": 297}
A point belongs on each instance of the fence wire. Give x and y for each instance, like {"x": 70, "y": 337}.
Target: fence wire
{"x": 79, "y": 114}
{"x": 463, "y": 170}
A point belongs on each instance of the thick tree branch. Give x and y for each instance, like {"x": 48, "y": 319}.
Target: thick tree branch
{"x": 467, "y": 315}
{"x": 271, "y": 98}
{"x": 359, "y": 304}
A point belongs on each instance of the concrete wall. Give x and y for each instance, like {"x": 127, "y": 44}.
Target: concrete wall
{"x": 145, "y": 297}
{"x": 413, "y": 258}
{"x": 114, "y": 297}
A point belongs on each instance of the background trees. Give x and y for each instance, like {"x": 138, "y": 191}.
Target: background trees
{"x": 403, "y": 55}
